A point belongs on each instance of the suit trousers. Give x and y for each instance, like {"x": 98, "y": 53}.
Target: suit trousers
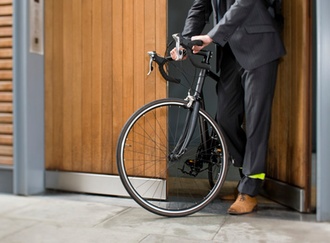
{"x": 244, "y": 114}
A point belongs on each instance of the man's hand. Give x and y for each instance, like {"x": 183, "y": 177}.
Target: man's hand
{"x": 174, "y": 54}
{"x": 206, "y": 41}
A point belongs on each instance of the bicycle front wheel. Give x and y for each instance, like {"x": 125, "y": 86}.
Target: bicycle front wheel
{"x": 156, "y": 181}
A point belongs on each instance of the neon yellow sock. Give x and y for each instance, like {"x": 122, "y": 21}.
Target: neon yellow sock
{"x": 260, "y": 176}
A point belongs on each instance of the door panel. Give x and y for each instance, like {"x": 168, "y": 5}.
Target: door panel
{"x": 95, "y": 76}
{"x": 289, "y": 157}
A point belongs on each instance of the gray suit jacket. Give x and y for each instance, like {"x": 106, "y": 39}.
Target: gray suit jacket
{"x": 245, "y": 25}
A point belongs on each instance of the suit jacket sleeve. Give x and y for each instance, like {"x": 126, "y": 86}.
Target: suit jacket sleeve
{"x": 197, "y": 18}
{"x": 232, "y": 19}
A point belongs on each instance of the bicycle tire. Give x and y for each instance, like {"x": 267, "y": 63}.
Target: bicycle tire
{"x": 156, "y": 183}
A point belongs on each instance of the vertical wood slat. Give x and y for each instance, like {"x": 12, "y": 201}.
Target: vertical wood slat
{"x": 68, "y": 46}
{"x": 138, "y": 86}
{"x": 161, "y": 31}
{"x": 49, "y": 81}
{"x": 290, "y": 140}
{"x": 107, "y": 87}
{"x": 128, "y": 59}
{"x": 91, "y": 97}
{"x": 117, "y": 74}
{"x": 6, "y": 76}
{"x": 150, "y": 82}
{"x": 96, "y": 111}
{"x": 57, "y": 83}
{"x": 127, "y": 90}
{"x": 86, "y": 85}
{"x": 76, "y": 85}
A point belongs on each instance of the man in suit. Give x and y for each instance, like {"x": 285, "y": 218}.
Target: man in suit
{"x": 250, "y": 49}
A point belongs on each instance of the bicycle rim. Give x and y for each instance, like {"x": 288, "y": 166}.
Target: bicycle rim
{"x": 163, "y": 186}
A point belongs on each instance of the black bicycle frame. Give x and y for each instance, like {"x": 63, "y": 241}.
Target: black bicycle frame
{"x": 191, "y": 118}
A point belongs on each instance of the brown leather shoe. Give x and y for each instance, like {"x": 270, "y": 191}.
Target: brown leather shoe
{"x": 244, "y": 204}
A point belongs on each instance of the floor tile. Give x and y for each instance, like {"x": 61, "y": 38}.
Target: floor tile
{"x": 67, "y": 212}
{"x": 198, "y": 226}
{"x": 48, "y": 233}
{"x": 11, "y": 226}
{"x": 249, "y": 228}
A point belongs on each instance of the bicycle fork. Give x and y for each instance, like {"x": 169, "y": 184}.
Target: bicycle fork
{"x": 188, "y": 130}
{"x": 194, "y": 104}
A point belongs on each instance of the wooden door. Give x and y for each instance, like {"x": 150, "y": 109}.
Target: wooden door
{"x": 6, "y": 78}
{"x": 289, "y": 165}
{"x": 95, "y": 76}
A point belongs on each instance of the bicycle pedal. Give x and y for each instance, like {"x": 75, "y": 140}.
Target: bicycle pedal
{"x": 218, "y": 150}
{"x": 191, "y": 162}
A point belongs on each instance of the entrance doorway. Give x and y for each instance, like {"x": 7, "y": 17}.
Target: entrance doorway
{"x": 95, "y": 77}
{"x": 290, "y": 148}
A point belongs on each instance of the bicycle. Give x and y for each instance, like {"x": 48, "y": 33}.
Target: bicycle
{"x": 171, "y": 154}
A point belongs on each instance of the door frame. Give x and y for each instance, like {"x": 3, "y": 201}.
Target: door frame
{"x": 323, "y": 115}
{"x": 28, "y": 81}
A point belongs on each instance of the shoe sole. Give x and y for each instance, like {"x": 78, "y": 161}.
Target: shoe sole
{"x": 242, "y": 213}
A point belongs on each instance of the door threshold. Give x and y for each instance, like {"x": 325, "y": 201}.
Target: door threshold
{"x": 285, "y": 194}
{"x": 101, "y": 184}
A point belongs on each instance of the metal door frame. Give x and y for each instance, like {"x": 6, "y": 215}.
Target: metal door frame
{"x": 323, "y": 115}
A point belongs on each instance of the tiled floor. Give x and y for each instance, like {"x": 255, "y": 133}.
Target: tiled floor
{"x": 66, "y": 217}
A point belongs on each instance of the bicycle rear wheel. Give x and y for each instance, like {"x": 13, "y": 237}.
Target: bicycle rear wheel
{"x": 156, "y": 181}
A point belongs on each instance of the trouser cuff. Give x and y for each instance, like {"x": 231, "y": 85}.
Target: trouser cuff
{"x": 250, "y": 186}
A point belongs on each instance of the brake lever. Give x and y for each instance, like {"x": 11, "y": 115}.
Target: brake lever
{"x": 161, "y": 61}
{"x": 179, "y": 53}
{"x": 152, "y": 56}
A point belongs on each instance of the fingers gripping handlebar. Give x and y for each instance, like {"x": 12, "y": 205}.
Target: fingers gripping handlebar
{"x": 187, "y": 44}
